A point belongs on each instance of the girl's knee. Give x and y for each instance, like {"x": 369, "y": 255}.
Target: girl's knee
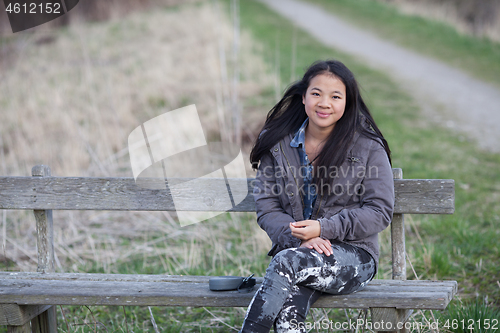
{"x": 285, "y": 255}
{"x": 295, "y": 255}
{"x": 288, "y": 260}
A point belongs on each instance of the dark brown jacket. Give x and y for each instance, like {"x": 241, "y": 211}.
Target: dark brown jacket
{"x": 358, "y": 207}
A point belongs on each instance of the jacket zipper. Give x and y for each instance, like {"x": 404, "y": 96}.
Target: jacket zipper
{"x": 295, "y": 179}
{"x": 317, "y": 212}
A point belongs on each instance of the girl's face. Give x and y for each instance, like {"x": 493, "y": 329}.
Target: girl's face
{"x": 324, "y": 101}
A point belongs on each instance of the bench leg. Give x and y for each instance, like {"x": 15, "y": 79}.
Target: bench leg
{"x": 26, "y": 328}
{"x": 390, "y": 319}
{"x": 18, "y": 317}
{"x": 45, "y": 322}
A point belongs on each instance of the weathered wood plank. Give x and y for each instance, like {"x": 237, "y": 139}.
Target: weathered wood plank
{"x": 378, "y": 285}
{"x": 107, "y": 277}
{"x": 82, "y": 292}
{"x": 389, "y": 315}
{"x": 45, "y": 240}
{"x": 397, "y": 173}
{"x": 26, "y": 328}
{"x": 45, "y": 322}
{"x": 15, "y": 315}
{"x": 398, "y": 241}
{"x": 424, "y": 196}
{"x": 198, "y": 279}
{"x": 414, "y": 196}
{"x": 398, "y": 247}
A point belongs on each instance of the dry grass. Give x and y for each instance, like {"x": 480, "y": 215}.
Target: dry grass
{"x": 71, "y": 102}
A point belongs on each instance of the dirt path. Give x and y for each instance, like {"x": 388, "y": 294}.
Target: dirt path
{"x": 447, "y": 95}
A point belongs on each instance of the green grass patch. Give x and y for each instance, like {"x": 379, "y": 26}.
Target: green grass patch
{"x": 474, "y": 316}
{"x": 140, "y": 319}
{"x": 479, "y": 57}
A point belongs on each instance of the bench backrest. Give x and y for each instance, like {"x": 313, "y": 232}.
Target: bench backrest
{"x": 43, "y": 193}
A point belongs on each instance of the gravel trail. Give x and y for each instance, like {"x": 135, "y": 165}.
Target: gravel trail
{"x": 447, "y": 95}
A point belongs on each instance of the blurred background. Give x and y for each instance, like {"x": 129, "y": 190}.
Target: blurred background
{"x": 479, "y": 18}
{"x": 73, "y": 89}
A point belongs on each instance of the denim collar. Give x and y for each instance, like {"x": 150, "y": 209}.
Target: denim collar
{"x": 300, "y": 136}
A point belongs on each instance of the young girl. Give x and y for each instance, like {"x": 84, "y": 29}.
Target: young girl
{"x": 324, "y": 190}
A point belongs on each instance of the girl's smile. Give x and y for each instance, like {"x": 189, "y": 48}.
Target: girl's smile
{"x": 322, "y": 114}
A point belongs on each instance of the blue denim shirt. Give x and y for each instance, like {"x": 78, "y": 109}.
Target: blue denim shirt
{"x": 306, "y": 170}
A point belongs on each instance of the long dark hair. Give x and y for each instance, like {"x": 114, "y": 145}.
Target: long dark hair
{"x": 289, "y": 113}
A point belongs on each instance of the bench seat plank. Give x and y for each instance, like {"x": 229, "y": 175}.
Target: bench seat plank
{"x": 413, "y": 196}
{"x": 183, "y": 278}
{"x": 142, "y": 290}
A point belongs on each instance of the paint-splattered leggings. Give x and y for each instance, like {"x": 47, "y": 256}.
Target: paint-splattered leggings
{"x": 295, "y": 279}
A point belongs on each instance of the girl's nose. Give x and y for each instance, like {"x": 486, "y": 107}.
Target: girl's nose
{"x": 324, "y": 102}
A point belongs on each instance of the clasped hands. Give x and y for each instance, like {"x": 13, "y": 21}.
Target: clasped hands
{"x": 308, "y": 231}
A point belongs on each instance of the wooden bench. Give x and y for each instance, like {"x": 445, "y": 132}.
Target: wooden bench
{"x": 27, "y": 298}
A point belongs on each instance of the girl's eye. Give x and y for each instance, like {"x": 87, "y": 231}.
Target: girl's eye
{"x": 315, "y": 94}
{"x": 336, "y": 97}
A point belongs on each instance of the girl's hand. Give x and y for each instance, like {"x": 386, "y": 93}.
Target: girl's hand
{"x": 306, "y": 229}
{"x": 319, "y": 244}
